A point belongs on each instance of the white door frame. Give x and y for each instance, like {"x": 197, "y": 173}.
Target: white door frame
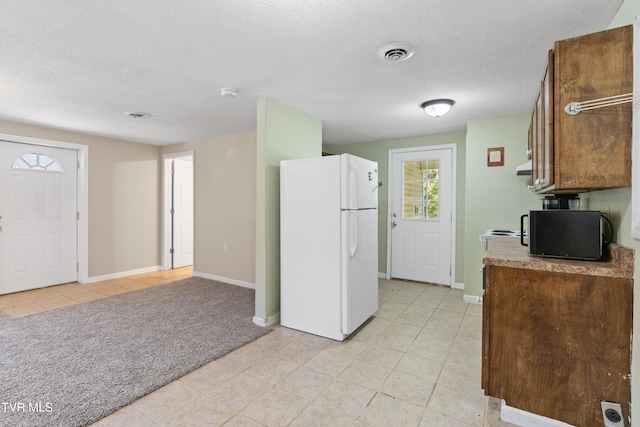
{"x": 454, "y": 159}
{"x": 166, "y": 205}
{"x": 83, "y": 194}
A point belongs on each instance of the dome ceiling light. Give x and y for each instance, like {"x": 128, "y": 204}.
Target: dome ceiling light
{"x": 437, "y": 107}
{"x": 226, "y": 92}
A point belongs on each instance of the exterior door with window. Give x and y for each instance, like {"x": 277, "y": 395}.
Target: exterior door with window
{"x": 421, "y": 215}
{"x": 38, "y": 216}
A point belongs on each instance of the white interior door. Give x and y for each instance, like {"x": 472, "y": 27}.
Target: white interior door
{"x": 38, "y": 216}
{"x": 182, "y": 212}
{"x": 421, "y": 215}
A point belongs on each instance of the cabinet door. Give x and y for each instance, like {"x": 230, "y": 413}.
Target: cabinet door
{"x": 541, "y": 179}
{"x": 547, "y": 122}
{"x": 486, "y": 331}
{"x": 556, "y": 344}
{"x": 541, "y": 133}
{"x": 533, "y": 135}
{"x": 530, "y": 154}
{"x": 592, "y": 149}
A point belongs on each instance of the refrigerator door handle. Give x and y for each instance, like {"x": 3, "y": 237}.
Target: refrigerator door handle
{"x": 354, "y": 234}
{"x": 353, "y": 183}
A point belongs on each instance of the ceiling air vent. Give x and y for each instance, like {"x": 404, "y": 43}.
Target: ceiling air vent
{"x": 396, "y": 52}
{"x": 136, "y": 115}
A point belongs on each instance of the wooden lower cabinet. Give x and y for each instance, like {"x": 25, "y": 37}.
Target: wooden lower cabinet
{"x": 557, "y": 344}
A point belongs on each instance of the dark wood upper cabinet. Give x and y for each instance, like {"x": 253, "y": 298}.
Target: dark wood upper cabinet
{"x": 591, "y": 150}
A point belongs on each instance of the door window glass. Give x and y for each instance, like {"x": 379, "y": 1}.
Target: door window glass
{"x": 420, "y": 190}
{"x": 37, "y": 162}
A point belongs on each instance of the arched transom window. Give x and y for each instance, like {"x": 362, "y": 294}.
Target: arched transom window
{"x": 37, "y": 162}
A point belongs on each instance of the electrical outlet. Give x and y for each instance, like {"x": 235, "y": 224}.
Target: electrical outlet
{"x": 612, "y": 414}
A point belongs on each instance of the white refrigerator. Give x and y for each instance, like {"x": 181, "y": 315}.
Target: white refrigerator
{"x": 328, "y": 244}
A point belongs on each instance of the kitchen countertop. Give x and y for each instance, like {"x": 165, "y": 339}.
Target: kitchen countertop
{"x": 508, "y": 252}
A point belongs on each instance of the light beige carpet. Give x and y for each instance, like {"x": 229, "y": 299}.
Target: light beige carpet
{"x": 74, "y": 365}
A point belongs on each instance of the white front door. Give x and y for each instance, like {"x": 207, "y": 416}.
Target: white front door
{"x": 421, "y": 215}
{"x": 182, "y": 211}
{"x": 38, "y": 216}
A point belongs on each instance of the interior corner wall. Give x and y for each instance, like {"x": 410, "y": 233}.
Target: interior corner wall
{"x": 224, "y": 205}
{"x": 124, "y": 204}
{"x": 495, "y": 196}
{"x": 282, "y": 133}
{"x": 378, "y": 151}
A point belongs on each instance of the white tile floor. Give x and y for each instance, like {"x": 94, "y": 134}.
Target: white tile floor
{"x": 417, "y": 363}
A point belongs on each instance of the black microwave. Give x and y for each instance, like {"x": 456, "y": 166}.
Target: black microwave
{"x": 565, "y": 233}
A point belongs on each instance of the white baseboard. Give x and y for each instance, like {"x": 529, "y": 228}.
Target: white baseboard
{"x": 225, "y": 280}
{"x": 472, "y": 299}
{"x": 122, "y": 274}
{"x": 382, "y": 275}
{"x": 268, "y": 321}
{"x": 527, "y": 419}
{"x": 457, "y": 285}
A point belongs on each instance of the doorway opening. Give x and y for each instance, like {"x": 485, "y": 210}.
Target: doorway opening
{"x": 178, "y": 211}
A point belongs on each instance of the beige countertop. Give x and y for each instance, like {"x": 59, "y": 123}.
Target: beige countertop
{"x": 508, "y": 252}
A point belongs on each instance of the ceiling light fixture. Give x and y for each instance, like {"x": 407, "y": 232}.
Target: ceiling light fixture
{"x": 437, "y": 107}
{"x": 228, "y": 92}
{"x": 137, "y": 115}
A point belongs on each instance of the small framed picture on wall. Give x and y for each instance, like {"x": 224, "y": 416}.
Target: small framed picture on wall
{"x": 495, "y": 156}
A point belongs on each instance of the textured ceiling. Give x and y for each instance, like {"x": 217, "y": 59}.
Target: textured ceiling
{"x": 79, "y": 65}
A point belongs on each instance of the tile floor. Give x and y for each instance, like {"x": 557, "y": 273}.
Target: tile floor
{"x": 417, "y": 363}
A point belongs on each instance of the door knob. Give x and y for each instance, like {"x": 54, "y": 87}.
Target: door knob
{"x": 395, "y": 215}
{"x": 394, "y": 223}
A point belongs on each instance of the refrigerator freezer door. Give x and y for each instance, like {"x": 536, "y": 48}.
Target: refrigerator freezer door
{"x": 359, "y": 182}
{"x": 360, "y": 267}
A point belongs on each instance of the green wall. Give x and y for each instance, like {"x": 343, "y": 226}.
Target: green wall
{"x": 496, "y": 196}
{"x": 378, "y": 151}
{"x": 282, "y": 133}
{"x": 487, "y": 197}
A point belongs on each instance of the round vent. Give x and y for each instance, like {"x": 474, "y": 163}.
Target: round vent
{"x": 396, "y": 52}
